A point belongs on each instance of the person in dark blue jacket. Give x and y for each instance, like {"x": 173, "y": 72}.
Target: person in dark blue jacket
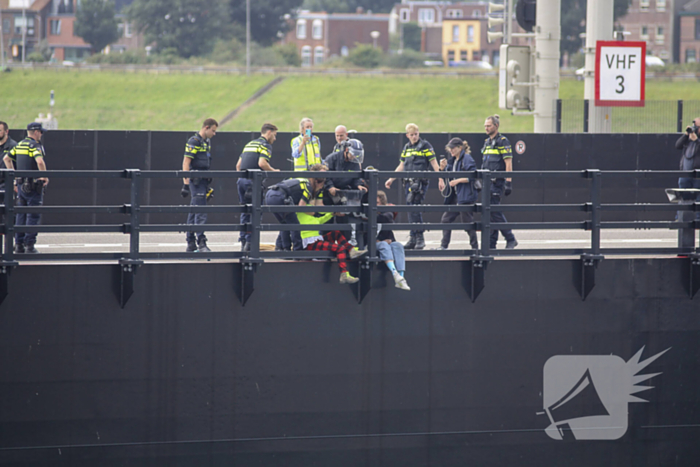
{"x": 458, "y": 190}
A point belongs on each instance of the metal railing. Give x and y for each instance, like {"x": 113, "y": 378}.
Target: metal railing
{"x": 572, "y": 116}
{"x": 135, "y": 209}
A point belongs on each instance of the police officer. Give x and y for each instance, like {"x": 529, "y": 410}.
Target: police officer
{"x": 6, "y": 144}
{"x": 29, "y": 155}
{"x": 348, "y": 158}
{"x": 255, "y": 155}
{"x": 497, "y": 156}
{"x": 341, "y": 134}
{"x": 294, "y": 192}
{"x": 306, "y": 148}
{"x": 198, "y": 157}
{"x": 417, "y": 155}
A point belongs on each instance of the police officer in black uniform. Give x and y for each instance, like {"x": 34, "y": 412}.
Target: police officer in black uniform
{"x": 348, "y": 158}
{"x": 6, "y": 144}
{"x": 29, "y": 154}
{"x": 198, "y": 157}
{"x": 417, "y": 155}
{"x": 255, "y": 155}
{"x": 498, "y": 156}
{"x": 294, "y": 192}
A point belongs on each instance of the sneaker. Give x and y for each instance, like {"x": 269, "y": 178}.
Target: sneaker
{"x": 441, "y": 248}
{"x": 355, "y": 253}
{"x": 19, "y": 248}
{"x": 191, "y": 247}
{"x": 30, "y": 249}
{"x": 400, "y": 282}
{"x": 346, "y": 278}
{"x": 512, "y": 244}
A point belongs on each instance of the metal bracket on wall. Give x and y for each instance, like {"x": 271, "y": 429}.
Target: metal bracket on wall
{"x": 365, "y": 283}
{"x": 584, "y": 273}
{"x": 248, "y": 267}
{"x": 474, "y": 275}
{"x": 693, "y": 278}
{"x": 127, "y": 271}
{"x": 6, "y": 268}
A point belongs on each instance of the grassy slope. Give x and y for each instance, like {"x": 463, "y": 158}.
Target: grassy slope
{"x": 111, "y": 101}
{"x": 118, "y": 101}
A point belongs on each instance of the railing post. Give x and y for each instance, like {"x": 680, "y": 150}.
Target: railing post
{"x": 135, "y": 175}
{"x": 372, "y": 213}
{"x": 256, "y": 215}
{"x": 8, "y": 253}
{"x": 586, "y": 104}
{"x": 596, "y": 185}
{"x": 558, "y": 113}
{"x": 485, "y": 211}
{"x": 680, "y": 116}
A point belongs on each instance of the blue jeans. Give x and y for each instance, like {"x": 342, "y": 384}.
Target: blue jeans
{"x": 33, "y": 198}
{"x": 497, "y": 216}
{"x": 392, "y": 252}
{"x": 286, "y": 237}
{"x": 691, "y": 183}
{"x": 198, "y": 197}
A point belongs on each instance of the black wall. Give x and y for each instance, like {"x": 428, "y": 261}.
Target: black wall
{"x": 116, "y": 150}
{"x": 303, "y": 376}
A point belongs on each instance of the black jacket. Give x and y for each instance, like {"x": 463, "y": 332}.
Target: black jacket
{"x": 690, "y": 159}
{"x": 336, "y": 163}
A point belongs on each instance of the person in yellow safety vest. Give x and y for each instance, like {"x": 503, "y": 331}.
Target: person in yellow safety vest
{"x": 306, "y": 148}
{"x": 334, "y": 240}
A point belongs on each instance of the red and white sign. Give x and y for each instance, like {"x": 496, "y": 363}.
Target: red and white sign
{"x": 619, "y": 73}
{"x": 520, "y": 147}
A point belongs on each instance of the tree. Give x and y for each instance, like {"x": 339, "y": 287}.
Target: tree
{"x": 267, "y": 18}
{"x": 573, "y": 22}
{"x": 96, "y": 24}
{"x": 411, "y": 36}
{"x": 365, "y": 56}
{"x": 189, "y": 26}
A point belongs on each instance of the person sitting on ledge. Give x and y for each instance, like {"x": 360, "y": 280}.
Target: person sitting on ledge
{"x": 389, "y": 250}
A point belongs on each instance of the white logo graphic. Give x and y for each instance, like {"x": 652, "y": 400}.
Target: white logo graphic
{"x": 586, "y": 397}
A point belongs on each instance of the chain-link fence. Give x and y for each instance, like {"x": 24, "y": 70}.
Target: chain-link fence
{"x": 654, "y": 117}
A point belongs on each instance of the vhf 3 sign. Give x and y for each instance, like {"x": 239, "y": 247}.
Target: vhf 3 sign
{"x": 619, "y": 73}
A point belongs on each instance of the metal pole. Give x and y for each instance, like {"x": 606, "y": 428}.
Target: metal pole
{"x": 595, "y": 213}
{"x": 586, "y": 114}
{"x": 9, "y": 214}
{"x": 547, "y": 38}
{"x": 485, "y": 212}
{"x": 247, "y": 37}
{"x": 24, "y": 33}
{"x": 135, "y": 229}
{"x": 680, "y": 116}
{"x": 2, "y": 43}
{"x": 599, "y": 27}
{"x": 372, "y": 213}
{"x": 255, "y": 215}
{"x": 559, "y": 115}
{"x": 508, "y": 16}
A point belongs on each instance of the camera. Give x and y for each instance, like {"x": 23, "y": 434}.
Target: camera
{"x": 692, "y": 128}
{"x": 416, "y": 190}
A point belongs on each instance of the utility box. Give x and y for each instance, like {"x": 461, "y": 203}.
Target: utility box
{"x": 514, "y": 89}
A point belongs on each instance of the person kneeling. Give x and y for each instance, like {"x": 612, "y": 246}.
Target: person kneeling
{"x": 390, "y": 251}
{"x": 330, "y": 241}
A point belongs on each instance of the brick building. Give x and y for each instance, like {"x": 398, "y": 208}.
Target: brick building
{"x": 23, "y": 26}
{"x": 651, "y": 21}
{"x": 689, "y": 16}
{"x": 320, "y": 36}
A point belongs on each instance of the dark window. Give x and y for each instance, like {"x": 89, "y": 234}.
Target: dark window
{"x": 55, "y": 27}
{"x": 463, "y": 55}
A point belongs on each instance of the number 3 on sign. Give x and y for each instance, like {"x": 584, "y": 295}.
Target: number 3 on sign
{"x": 619, "y": 73}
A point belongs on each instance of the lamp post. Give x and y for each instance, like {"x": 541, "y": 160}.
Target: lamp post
{"x": 247, "y": 37}
{"x": 375, "y": 35}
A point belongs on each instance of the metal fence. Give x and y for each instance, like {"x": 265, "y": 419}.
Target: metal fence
{"x": 134, "y": 207}
{"x": 654, "y": 117}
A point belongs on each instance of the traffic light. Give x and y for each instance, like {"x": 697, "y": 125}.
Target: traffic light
{"x": 514, "y": 89}
{"x": 498, "y": 9}
{"x": 526, "y": 13}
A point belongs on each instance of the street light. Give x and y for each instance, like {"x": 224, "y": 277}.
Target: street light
{"x": 375, "y": 35}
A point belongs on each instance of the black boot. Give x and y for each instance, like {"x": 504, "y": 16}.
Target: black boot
{"x": 420, "y": 241}
{"x": 19, "y": 248}
{"x": 191, "y": 246}
{"x": 202, "y": 245}
{"x": 410, "y": 244}
{"x": 30, "y": 249}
